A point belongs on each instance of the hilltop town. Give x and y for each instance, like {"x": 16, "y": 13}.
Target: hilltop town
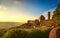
{"x": 41, "y": 21}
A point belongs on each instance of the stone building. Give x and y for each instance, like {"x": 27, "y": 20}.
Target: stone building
{"x": 41, "y": 18}
{"x": 49, "y": 22}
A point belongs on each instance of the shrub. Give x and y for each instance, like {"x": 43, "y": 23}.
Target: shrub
{"x": 39, "y": 34}
{"x": 35, "y": 34}
{"x": 15, "y": 33}
{"x": 18, "y": 33}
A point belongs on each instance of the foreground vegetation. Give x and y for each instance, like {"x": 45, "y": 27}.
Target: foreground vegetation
{"x": 18, "y": 33}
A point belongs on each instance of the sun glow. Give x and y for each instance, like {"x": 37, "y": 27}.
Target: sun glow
{"x": 13, "y": 15}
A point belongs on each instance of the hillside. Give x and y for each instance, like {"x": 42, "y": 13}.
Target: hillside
{"x": 9, "y": 24}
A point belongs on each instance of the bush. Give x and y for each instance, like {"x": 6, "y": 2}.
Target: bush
{"x": 39, "y": 34}
{"x": 17, "y": 33}
{"x": 35, "y": 34}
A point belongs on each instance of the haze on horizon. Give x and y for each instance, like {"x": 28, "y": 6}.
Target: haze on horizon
{"x": 23, "y": 10}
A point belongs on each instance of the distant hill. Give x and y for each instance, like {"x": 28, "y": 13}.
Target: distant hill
{"x": 9, "y": 24}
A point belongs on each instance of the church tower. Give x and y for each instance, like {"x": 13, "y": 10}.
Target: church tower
{"x": 48, "y": 15}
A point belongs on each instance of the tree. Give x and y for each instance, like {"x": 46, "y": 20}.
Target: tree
{"x": 56, "y": 15}
{"x": 57, "y": 11}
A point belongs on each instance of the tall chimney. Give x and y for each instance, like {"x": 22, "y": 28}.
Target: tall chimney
{"x": 48, "y": 15}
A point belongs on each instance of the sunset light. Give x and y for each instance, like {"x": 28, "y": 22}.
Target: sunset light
{"x": 13, "y": 15}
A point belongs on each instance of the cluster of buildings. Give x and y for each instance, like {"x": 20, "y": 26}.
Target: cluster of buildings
{"x": 38, "y": 23}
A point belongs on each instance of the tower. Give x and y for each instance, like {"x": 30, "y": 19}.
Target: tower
{"x": 48, "y": 15}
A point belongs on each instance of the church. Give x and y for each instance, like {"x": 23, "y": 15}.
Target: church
{"x": 38, "y": 23}
{"x": 31, "y": 24}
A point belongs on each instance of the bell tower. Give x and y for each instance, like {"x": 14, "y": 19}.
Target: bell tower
{"x": 48, "y": 15}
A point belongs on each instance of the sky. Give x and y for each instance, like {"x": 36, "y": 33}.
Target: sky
{"x": 23, "y": 10}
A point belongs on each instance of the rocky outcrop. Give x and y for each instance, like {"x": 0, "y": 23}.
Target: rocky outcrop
{"x": 55, "y": 33}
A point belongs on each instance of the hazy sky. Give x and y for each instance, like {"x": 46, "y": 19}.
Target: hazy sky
{"x": 23, "y": 10}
